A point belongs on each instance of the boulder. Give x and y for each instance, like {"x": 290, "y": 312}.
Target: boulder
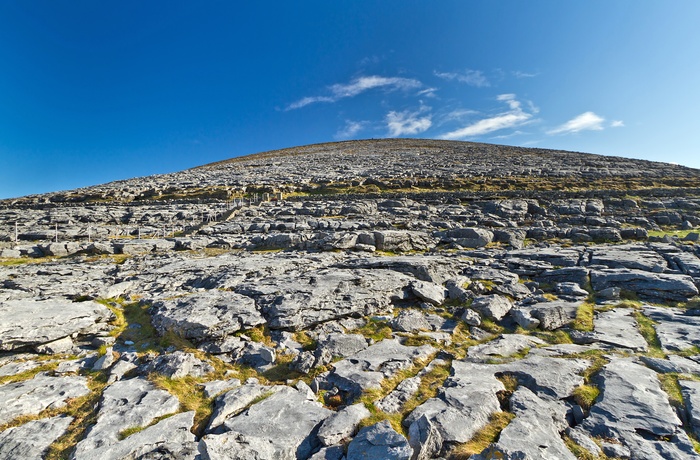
{"x": 22, "y": 441}
{"x": 492, "y": 306}
{"x": 341, "y": 425}
{"x": 379, "y": 442}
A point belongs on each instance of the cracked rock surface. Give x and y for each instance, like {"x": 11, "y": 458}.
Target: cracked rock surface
{"x": 404, "y": 298}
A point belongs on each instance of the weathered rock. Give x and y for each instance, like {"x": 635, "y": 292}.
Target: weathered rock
{"x": 619, "y": 328}
{"x": 658, "y": 286}
{"x": 32, "y": 396}
{"x": 429, "y": 292}
{"x": 394, "y": 401}
{"x": 492, "y": 306}
{"x": 125, "y": 404}
{"x": 379, "y": 442}
{"x": 503, "y": 346}
{"x": 691, "y": 395}
{"x": 31, "y": 322}
{"x": 410, "y": 321}
{"x": 676, "y": 330}
{"x": 31, "y": 440}
{"x": 425, "y": 439}
{"x": 628, "y": 256}
{"x": 341, "y": 425}
{"x": 535, "y": 431}
{"x": 168, "y": 439}
{"x": 179, "y": 364}
{"x": 216, "y": 387}
{"x": 548, "y": 377}
{"x": 267, "y": 423}
{"x": 555, "y": 314}
{"x": 205, "y": 316}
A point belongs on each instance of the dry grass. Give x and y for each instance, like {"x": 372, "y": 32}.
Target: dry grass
{"x": 484, "y": 437}
{"x": 190, "y": 395}
{"x": 646, "y": 328}
{"x": 584, "y": 317}
{"x": 585, "y": 396}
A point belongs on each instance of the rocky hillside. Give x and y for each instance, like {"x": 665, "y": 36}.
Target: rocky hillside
{"x": 384, "y": 299}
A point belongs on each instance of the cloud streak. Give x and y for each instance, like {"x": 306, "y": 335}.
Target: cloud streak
{"x": 516, "y": 116}
{"x": 356, "y": 87}
{"x": 470, "y": 77}
{"x": 351, "y": 128}
{"x": 407, "y": 122}
{"x": 587, "y": 121}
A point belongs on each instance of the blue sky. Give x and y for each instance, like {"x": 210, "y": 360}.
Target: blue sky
{"x": 97, "y": 91}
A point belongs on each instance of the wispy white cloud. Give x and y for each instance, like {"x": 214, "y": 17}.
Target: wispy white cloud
{"x": 515, "y": 116}
{"x": 427, "y": 92}
{"x": 350, "y": 129}
{"x": 358, "y": 86}
{"x": 470, "y": 77}
{"x": 587, "y": 121}
{"x": 617, "y": 124}
{"x": 521, "y": 74}
{"x": 407, "y": 122}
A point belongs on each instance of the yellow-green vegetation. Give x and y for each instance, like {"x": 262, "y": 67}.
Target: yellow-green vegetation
{"x": 646, "y": 328}
{"x": 584, "y": 317}
{"x": 303, "y": 339}
{"x": 461, "y": 341}
{"x": 669, "y": 383}
{"x": 491, "y": 326}
{"x": 484, "y": 437}
{"x": 585, "y": 395}
{"x": 580, "y": 452}
{"x": 8, "y": 262}
{"x": 670, "y": 232}
{"x": 430, "y": 383}
{"x": 136, "y": 429}
{"x": 258, "y": 334}
{"x": 374, "y": 329}
{"x": 628, "y": 304}
{"x": 549, "y": 296}
{"x": 84, "y": 413}
{"x": 190, "y": 395}
{"x": 29, "y": 374}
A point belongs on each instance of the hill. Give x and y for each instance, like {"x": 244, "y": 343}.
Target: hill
{"x": 394, "y": 299}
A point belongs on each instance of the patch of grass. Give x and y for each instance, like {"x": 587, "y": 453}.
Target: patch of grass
{"x": 549, "y": 296}
{"x": 28, "y": 374}
{"x": 626, "y": 294}
{"x": 670, "y": 232}
{"x": 417, "y": 340}
{"x": 585, "y": 395}
{"x": 430, "y": 383}
{"x": 305, "y": 341}
{"x": 584, "y": 317}
{"x": 259, "y": 334}
{"x": 8, "y": 262}
{"x": 669, "y": 383}
{"x": 646, "y": 328}
{"x": 84, "y": 413}
{"x": 484, "y": 437}
{"x": 491, "y": 326}
{"x": 692, "y": 351}
{"x": 628, "y": 303}
{"x": 375, "y": 330}
{"x": 190, "y": 395}
{"x": 580, "y": 452}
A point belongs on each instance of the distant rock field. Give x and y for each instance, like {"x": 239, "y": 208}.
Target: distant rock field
{"x": 379, "y": 299}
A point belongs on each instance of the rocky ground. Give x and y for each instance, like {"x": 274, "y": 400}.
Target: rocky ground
{"x": 390, "y": 299}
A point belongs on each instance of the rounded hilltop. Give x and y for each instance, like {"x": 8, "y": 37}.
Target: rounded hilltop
{"x": 394, "y": 165}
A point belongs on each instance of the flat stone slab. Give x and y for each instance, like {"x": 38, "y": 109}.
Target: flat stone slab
{"x": 619, "y": 328}
{"x": 368, "y": 368}
{"x": 206, "y": 316}
{"x": 553, "y": 378}
{"x": 33, "y": 322}
{"x": 31, "y": 440}
{"x": 132, "y": 403}
{"x": 628, "y": 256}
{"x": 503, "y": 346}
{"x": 534, "y": 434}
{"x": 691, "y": 396}
{"x": 32, "y": 396}
{"x": 676, "y": 330}
{"x": 168, "y": 439}
{"x": 282, "y": 424}
{"x": 656, "y": 286}
{"x": 633, "y": 409}
{"x": 379, "y": 442}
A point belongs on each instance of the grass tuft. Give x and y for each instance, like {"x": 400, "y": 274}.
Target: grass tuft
{"x": 646, "y": 328}
{"x": 484, "y": 437}
{"x": 585, "y": 396}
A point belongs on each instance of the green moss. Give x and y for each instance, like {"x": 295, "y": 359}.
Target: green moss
{"x": 375, "y": 329}
{"x": 648, "y": 331}
{"x": 585, "y": 395}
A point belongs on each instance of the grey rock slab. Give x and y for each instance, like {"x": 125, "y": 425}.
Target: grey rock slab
{"x": 492, "y": 306}
{"x": 216, "y": 387}
{"x": 379, "y": 442}
{"x": 676, "y": 330}
{"x": 547, "y": 376}
{"x": 464, "y": 405}
{"x": 503, "y": 346}
{"x": 14, "y": 368}
{"x": 341, "y": 344}
{"x": 535, "y": 433}
{"x": 631, "y": 401}
{"x": 434, "y": 269}
{"x": 341, "y": 425}
{"x": 557, "y": 256}
{"x": 628, "y": 256}
{"x": 656, "y": 286}
{"x": 674, "y": 364}
{"x": 179, "y": 364}
{"x": 619, "y": 328}
{"x": 236, "y": 400}
{"x": 31, "y": 440}
{"x": 303, "y": 301}
{"x": 410, "y": 321}
{"x": 429, "y": 292}
{"x": 368, "y": 368}
{"x": 170, "y": 438}
{"x": 35, "y": 322}
{"x": 125, "y": 404}
{"x": 32, "y": 396}
{"x": 207, "y": 315}
{"x": 691, "y": 396}
{"x": 555, "y": 314}
{"x": 269, "y": 421}
{"x": 425, "y": 439}
{"x": 394, "y": 401}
